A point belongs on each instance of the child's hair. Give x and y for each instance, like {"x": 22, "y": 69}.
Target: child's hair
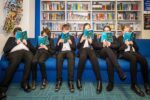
{"x": 107, "y": 27}
{"x": 47, "y": 31}
{"x": 17, "y": 29}
{"x": 85, "y": 25}
{"x": 125, "y": 26}
{"x": 66, "y": 26}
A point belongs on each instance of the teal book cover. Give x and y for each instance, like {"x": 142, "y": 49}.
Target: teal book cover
{"x": 89, "y": 33}
{"x": 128, "y": 36}
{"x": 107, "y": 36}
{"x": 21, "y": 35}
{"x": 43, "y": 40}
{"x": 65, "y": 37}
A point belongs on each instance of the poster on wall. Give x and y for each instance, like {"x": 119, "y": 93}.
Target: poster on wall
{"x": 146, "y": 5}
{"x": 14, "y": 9}
{"x": 147, "y": 21}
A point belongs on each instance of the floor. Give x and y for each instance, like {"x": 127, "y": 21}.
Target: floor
{"x": 120, "y": 92}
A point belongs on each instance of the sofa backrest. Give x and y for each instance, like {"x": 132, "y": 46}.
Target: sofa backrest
{"x": 143, "y": 44}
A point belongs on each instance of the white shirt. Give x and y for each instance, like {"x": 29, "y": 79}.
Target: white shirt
{"x": 66, "y": 47}
{"x": 128, "y": 49}
{"x": 18, "y": 47}
{"x": 86, "y": 44}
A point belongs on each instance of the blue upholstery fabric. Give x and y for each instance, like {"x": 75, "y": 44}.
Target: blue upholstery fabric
{"x": 88, "y": 74}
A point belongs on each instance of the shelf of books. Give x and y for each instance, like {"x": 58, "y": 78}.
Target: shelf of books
{"x": 129, "y": 13}
{"x": 99, "y": 13}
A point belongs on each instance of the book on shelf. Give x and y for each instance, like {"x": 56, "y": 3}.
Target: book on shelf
{"x": 127, "y": 16}
{"x": 54, "y": 16}
{"x": 77, "y": 6}
{"x": 100, "y": 27}
{"x": 97, "y": 5}
{"x": 107, "y": 36}
{"x": 79, "y": 16}
{"x": 53, "y": 6}
{"x": 53, "y": 26}
{"x": 65, "y": 36}
{"x": 76, "y": 26}
{"x": 88, "y": 33}
{"x": 133, "y": 26}
{"x": 21, "y": 35}
{"x": 103, "y": 16}
{"x": 128, "y": 36}
{"x": 43, "y": 40}
{"x": 128, "y": 6}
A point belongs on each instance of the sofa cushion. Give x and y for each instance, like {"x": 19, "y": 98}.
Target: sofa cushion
{"x": 144, "y": 47}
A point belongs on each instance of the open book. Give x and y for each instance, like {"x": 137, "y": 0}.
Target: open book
{"x": 65, "y": 37}
{"x": 128, "y": 36}
{"x": 43, "y": 40}
{"x": 107, "y": 36}
{"x": 88, "y": 33}
{"x": 21, "y": 35}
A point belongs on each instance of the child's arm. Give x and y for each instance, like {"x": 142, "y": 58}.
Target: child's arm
{"x": 73, "y": 45}
{"x": 11, "y": 42}
{"x": 114, "y": 44}
{"x": 51, "y": 47}
{"x": 95, "y": 44}
{"x": 122, "y": 45}
{"x": 80, "y": 44}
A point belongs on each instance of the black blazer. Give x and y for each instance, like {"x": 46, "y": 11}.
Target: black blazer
{"x": 123, "y": 46}
{"x": 99, "y": 45}
{"x": 11, "y": 42}
{"x": 51, "y": 48}
{"x": 72, "y": 46}
{"x": 80, "y": 45}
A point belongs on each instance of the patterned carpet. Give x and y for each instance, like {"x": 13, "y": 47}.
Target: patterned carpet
{"x": 120, "y": 92}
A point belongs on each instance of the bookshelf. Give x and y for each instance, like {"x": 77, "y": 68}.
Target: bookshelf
{"x": 54, "y": 13}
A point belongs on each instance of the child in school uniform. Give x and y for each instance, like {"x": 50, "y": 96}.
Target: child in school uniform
{"x": 86, "y": 51}
{"x": 43, "y": 52}
{"x": 129, "y": 51}
{"x": 65, "y": 50}
{"x": 107, "y": 48}
{"x": 17, "y": 50}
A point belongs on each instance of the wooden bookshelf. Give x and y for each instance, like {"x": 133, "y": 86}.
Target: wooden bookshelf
{"x": 54, "y": 13}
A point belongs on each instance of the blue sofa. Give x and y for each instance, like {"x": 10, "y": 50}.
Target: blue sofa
{"x": 88, "y": 74}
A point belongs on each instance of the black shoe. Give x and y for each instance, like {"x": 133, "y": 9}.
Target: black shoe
{"x": 26, "y": 87}
{"x": 33, "y": 87}
{"x": 137, "y": 90}
{"x": 58, "y": 85}
{"x": 122, "y": 76}
{"x": 147, "y": 89}
{"x": 3, "y": 96}
{"x": 71, "y": 86}
{"x": 79, "y": 85}
{"x": 99, "y": 87}
{"x": 44, "y": 84}
{"x": 110, "y": 86}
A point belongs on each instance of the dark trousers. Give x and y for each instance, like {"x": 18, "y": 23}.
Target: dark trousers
{"x": 111, "y": 61}
{"x": 39, "y": 58}
{"x": 15, "y": 58}
{"x": 86, "y": 53}
{"x": 134, "y": 58}
{"x": 59, "y": 63}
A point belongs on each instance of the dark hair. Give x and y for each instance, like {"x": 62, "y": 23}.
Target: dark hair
{"x": 85, "y": 25}
{"x": 124, "y": 26}
{"x": 47, "y": 31}
{"x": 17, "y": 29}
{"x": 66, "y": 26}
{"x": 107, "y": 27}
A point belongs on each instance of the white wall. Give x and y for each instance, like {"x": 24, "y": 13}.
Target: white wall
{"x": 27, "y": 22}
